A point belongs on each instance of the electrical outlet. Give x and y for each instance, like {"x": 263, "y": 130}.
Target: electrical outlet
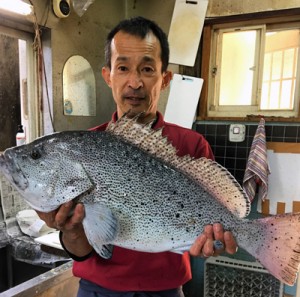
{"x": 237, "y": 132}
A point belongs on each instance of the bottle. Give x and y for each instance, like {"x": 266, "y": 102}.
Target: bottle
{"x": 20, "y": 137}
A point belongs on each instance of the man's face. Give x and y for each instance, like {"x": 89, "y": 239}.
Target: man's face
{"x": 135, "y": 76}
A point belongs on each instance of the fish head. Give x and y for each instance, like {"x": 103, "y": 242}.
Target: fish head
{"x": 46, "y": 172}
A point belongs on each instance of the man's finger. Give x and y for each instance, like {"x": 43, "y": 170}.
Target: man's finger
{"x": 230, "y": 243}
{"x": 196, "y": 248}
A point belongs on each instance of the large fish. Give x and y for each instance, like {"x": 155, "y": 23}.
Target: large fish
{"x": 138, "y": 194}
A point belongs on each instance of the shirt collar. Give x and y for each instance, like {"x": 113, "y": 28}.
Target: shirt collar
{"x": 158, "y": 122}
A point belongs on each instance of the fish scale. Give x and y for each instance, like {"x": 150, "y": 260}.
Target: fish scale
{"x": 138, "y": 194}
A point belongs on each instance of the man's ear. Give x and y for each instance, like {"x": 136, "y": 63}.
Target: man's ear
{"x": 167, "y": 77}
{"x": 106, "y": 75}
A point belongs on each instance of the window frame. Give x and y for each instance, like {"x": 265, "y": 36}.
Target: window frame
{"x": 284, "y": 19}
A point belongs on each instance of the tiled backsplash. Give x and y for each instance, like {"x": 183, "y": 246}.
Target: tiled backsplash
{"x": 234, "y": 155}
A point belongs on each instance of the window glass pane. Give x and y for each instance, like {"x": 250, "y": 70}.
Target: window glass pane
{"x": 280, "y": 69}
{"x": 286, "y": 94}
{"x": 288, "y": 62}
{"x": 237, "y": 68}
{"x": 276, "y": 65}
{"x": 274, "y": 95}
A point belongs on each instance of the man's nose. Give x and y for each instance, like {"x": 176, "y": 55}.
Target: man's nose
{"x": 135, "y": 80}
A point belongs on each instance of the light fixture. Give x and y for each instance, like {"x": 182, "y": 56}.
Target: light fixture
{"x": 16, "y": 6}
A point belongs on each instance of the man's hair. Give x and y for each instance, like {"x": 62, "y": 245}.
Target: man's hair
{"x": 140, "y": 27}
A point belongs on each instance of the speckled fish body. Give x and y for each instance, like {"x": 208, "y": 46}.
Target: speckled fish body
{"x": 139, "y": 194}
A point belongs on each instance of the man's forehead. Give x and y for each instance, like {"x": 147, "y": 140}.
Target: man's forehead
{"x": 124, "y": 41}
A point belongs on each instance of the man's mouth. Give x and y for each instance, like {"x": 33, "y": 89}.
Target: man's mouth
{"x": 134, "y": 95}
{"x": 133, "y": 99}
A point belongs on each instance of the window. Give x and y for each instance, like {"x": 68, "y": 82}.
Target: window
{"x": 253, "y": 69}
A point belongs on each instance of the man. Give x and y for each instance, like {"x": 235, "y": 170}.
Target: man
{"x": 137, "y": 56}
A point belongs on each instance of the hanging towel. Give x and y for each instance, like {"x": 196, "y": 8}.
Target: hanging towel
{"x": 257, "y": 169}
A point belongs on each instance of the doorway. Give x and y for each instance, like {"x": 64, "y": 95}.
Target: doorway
{"x": 16, "y": 86}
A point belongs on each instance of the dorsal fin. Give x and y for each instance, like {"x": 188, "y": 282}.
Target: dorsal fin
{"x": 212, "y": 177}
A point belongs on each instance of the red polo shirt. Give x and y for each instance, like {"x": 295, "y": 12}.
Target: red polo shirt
{"x": 130, "y": 270}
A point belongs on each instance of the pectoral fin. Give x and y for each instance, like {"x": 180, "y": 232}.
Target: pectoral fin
{"x": 106, "y": 251}
{"x": 101, "y": 228}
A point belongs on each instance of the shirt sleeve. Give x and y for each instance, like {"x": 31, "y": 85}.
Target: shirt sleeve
{"x": 203, "y": 149}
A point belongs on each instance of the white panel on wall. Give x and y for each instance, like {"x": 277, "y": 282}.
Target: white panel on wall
{"x": 283, "y": 181}
{"x": 185, "y": 31}
{"x": 183, "y": 100}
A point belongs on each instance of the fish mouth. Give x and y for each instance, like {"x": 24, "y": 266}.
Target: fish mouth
{"x": 12, "y": 171}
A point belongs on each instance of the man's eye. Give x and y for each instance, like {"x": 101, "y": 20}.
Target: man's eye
{"x": 35, "y": 154}
{"x": 148, "y": 69}
{"x": 122, "y": 68}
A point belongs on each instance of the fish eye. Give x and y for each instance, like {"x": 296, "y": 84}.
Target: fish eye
{"x": 35, "y": 154}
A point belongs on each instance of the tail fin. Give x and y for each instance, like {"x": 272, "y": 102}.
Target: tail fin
{"x": 275, "y": 242}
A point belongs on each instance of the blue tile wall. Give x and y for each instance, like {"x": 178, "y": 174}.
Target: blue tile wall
{"x": 234, "y": 155}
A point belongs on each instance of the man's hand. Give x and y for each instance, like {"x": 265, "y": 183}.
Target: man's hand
{"x": 73, "y": 235}
{"x": 204, "y": 244}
